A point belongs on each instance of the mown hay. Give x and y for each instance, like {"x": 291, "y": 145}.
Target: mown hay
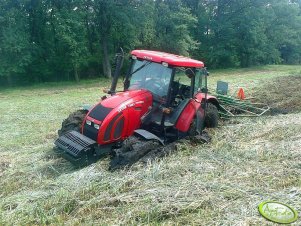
{"x": 282, "y": 94}
{"x": 220, "y": 183}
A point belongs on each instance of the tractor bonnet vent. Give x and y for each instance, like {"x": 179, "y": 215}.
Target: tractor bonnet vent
{"x": 100, "y": 112}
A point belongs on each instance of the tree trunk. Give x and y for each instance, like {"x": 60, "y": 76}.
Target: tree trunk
{"x": 9, "y": 80}
{"x": 106, "y": 60}
{"x": 76, "y": 75}
{"x": 89, "y": 35}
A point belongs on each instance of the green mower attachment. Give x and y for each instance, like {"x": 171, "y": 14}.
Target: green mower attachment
{"x": 234, "y": 107}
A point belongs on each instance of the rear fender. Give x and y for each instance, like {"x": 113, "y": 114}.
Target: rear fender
{"x": 213, "y": 100}
{"x": 189, "y": 112}
{"x": 187, "y": 115}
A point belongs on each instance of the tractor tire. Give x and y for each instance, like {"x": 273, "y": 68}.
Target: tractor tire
{"x": 193, "y": 128}
{"x": 211, "y": 119}
{"x": 73, "y": 122}
{"x": 131, "y": 151}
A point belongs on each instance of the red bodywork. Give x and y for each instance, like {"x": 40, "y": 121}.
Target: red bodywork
{"x": 171, "y": 59}
{"x": 128, "y": 106}
{"x": 189, "y": 112}
{"x": 120, "y": 115}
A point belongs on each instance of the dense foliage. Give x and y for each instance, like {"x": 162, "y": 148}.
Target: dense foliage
{"x": 54, "y": 40}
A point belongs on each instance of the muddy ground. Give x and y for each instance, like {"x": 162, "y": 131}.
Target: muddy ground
{"x": 282, "y": 94}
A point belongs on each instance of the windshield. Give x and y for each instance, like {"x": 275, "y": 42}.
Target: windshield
{"x": 151, "y": 76}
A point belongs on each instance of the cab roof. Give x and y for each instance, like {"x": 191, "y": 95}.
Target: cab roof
{"x": 171, "y": 59}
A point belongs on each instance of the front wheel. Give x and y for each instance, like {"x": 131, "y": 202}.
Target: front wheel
{"x": 73, "y": 122}
{"x": 211, "y": 119}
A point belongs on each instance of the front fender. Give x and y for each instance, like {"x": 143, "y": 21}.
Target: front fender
{"x": 148, "y": 135}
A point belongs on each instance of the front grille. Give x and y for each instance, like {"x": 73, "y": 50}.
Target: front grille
{"x": 90, "y": 131}
{"x": 74, "y": 143}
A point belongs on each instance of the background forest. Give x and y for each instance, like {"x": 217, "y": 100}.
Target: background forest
{"x": 57, "y": 40}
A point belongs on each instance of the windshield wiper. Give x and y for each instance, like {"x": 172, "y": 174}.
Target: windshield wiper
{"x": 139, "y": 68}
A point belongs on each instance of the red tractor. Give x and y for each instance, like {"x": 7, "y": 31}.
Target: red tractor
{"x": 164, "y": 99}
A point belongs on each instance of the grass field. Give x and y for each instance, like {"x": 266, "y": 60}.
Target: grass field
{"x": 220, "y": 183}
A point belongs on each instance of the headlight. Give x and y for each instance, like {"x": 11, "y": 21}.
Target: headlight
{"x": 96, "y": 126}
{"x": 88, "y": 122}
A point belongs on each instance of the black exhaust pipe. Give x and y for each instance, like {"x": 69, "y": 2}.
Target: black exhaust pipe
{"x": 118, "y": 62}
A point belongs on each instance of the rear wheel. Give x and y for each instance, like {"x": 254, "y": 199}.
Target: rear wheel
{"x": 73, "y": 122}
{"x": 196, "y": 131}
{"x": 211, "y": 119}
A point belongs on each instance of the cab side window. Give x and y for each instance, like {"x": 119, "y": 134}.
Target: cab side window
{"x": 200, "y": 82}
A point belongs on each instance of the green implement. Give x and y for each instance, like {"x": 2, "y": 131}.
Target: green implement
{"x": 233, "y": 107}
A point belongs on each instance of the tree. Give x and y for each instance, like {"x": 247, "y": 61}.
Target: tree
{"x": 173, "y": 23}
{"x": 72, "y": 36}
{"x": 53, "y": 40}
{"x": 15, "y": 48}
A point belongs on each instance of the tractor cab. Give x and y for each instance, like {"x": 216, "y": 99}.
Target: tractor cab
{"x": 187, "y": 83}
{"x": 174, "y": 81}
{"x": 166, "y": 76}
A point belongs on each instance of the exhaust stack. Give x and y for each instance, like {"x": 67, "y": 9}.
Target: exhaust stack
{"x": 118, "y": 62}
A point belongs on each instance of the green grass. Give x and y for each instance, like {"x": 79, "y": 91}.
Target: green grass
{"x": 250, "y": 78}
{"x": 220, "y": 183}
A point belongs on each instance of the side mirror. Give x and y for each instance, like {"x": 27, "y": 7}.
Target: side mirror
{"x": 126, "y": 84}
{"x": 204, "y": 90}
{"x": 206, "y": 72}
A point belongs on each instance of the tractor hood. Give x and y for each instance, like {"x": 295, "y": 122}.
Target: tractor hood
{"x": 117, "y": 116}
{"x": 120, "y": 98}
